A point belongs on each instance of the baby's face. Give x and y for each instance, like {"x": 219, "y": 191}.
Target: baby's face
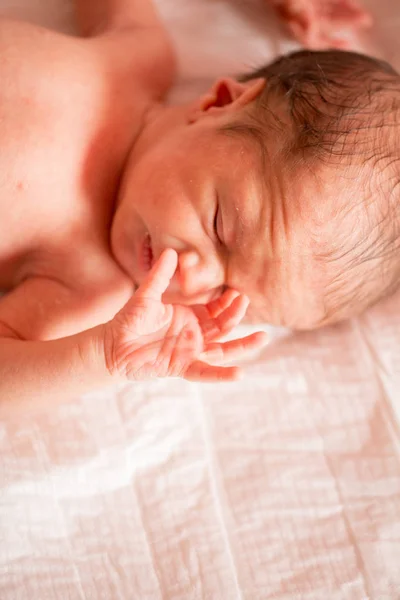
{"x": 231, "y": 214}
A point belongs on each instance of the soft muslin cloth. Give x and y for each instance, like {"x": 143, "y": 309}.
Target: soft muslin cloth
{"x": 284, "y": 486}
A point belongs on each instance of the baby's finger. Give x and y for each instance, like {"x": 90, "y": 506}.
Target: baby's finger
{"x": 350, "y": 12}
{"x": 205, "y": 313}
{"x": 235, "y": 349}
{"x": 227, "y": 320}
{"x": 159, "y": 277}
{"x": 216, "y": 307}
{"x": 203, "y": 372}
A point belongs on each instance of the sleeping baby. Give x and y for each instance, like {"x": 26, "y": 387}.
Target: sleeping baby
{"x": 278, "y": 188}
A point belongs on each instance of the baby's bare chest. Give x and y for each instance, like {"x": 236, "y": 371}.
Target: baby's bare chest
{"x": 51, "y": 122}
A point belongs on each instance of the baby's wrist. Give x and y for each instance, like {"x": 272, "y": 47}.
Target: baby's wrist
{"x": 95, "y": 351}
{"x": 109, "y": 353}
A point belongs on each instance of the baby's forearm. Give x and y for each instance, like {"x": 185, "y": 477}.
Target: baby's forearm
{"x": 33, "y": 373}
{"x": 97, "y": 16}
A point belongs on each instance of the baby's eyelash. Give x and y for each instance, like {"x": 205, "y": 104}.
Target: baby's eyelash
{"x": 216, "y": 224}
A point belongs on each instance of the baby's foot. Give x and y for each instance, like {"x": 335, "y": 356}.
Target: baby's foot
{"x": 315, "y": 22}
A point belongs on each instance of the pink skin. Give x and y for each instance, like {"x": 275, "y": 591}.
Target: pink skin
{"x": 315, "y": 23}
{"x": 235, "y": 222}
{"x": 232, "y": 217}
{"x": 59, "y": 336}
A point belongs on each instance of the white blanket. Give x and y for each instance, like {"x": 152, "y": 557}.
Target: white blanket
{"x": 285, "y": 486}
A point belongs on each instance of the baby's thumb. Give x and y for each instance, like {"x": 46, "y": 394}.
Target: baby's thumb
{"x": 158, "y": 279}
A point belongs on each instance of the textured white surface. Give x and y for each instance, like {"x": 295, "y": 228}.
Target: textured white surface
{"x": 285, "y": 486}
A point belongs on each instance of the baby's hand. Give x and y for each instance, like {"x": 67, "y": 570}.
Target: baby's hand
{"x": 315, "y": 22}
{"x": 148, "y": 338}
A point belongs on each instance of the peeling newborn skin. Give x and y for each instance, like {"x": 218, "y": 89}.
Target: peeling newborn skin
{"x": 317, "y": 24}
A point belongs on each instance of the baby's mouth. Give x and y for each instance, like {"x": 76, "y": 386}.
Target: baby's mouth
{"x": 147, "y": 253}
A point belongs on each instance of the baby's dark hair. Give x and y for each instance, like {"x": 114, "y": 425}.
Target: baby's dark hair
{"x": 330, "y": 94}
{"x": 343, "y": 108}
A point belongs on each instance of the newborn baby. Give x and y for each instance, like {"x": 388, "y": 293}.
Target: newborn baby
{"x": 281, "y": 186}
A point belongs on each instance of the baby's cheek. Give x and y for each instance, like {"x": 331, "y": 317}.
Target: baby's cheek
{"x": 253, "y": 316}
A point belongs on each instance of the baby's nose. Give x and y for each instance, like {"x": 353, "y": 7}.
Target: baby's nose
{"x": 197, "y": 275}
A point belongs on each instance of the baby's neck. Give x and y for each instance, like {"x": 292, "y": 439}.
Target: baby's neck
{"x": 158, "y": 122}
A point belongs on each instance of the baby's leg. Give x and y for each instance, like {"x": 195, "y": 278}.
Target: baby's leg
{"x": 315, "y": 22}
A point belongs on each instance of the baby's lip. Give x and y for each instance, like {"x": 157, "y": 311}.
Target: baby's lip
{"x": 146, "y": 253}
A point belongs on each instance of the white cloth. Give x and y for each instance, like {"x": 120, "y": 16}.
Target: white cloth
{"x": 284, "y": 486}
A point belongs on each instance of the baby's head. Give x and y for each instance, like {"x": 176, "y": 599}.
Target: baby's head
{"x": 283, "y": 185}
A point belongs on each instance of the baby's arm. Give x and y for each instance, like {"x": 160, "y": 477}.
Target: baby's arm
{"x": 317, "y": 23}
{"x": 32, "y": 372}
{"x": 32, "y": 369}
{"x": 146, "y": 339}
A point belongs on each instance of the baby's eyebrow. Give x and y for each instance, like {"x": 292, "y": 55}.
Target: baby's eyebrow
{"x": 246, "y": 223}
{"x": 251, "y": 132}
{"x": 254, "y": 134}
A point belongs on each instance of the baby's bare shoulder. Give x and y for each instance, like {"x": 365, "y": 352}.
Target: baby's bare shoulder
{"x": 143, "y": 57}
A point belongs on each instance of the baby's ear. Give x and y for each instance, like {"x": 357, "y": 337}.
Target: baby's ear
{"x": 226, "y": 94}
